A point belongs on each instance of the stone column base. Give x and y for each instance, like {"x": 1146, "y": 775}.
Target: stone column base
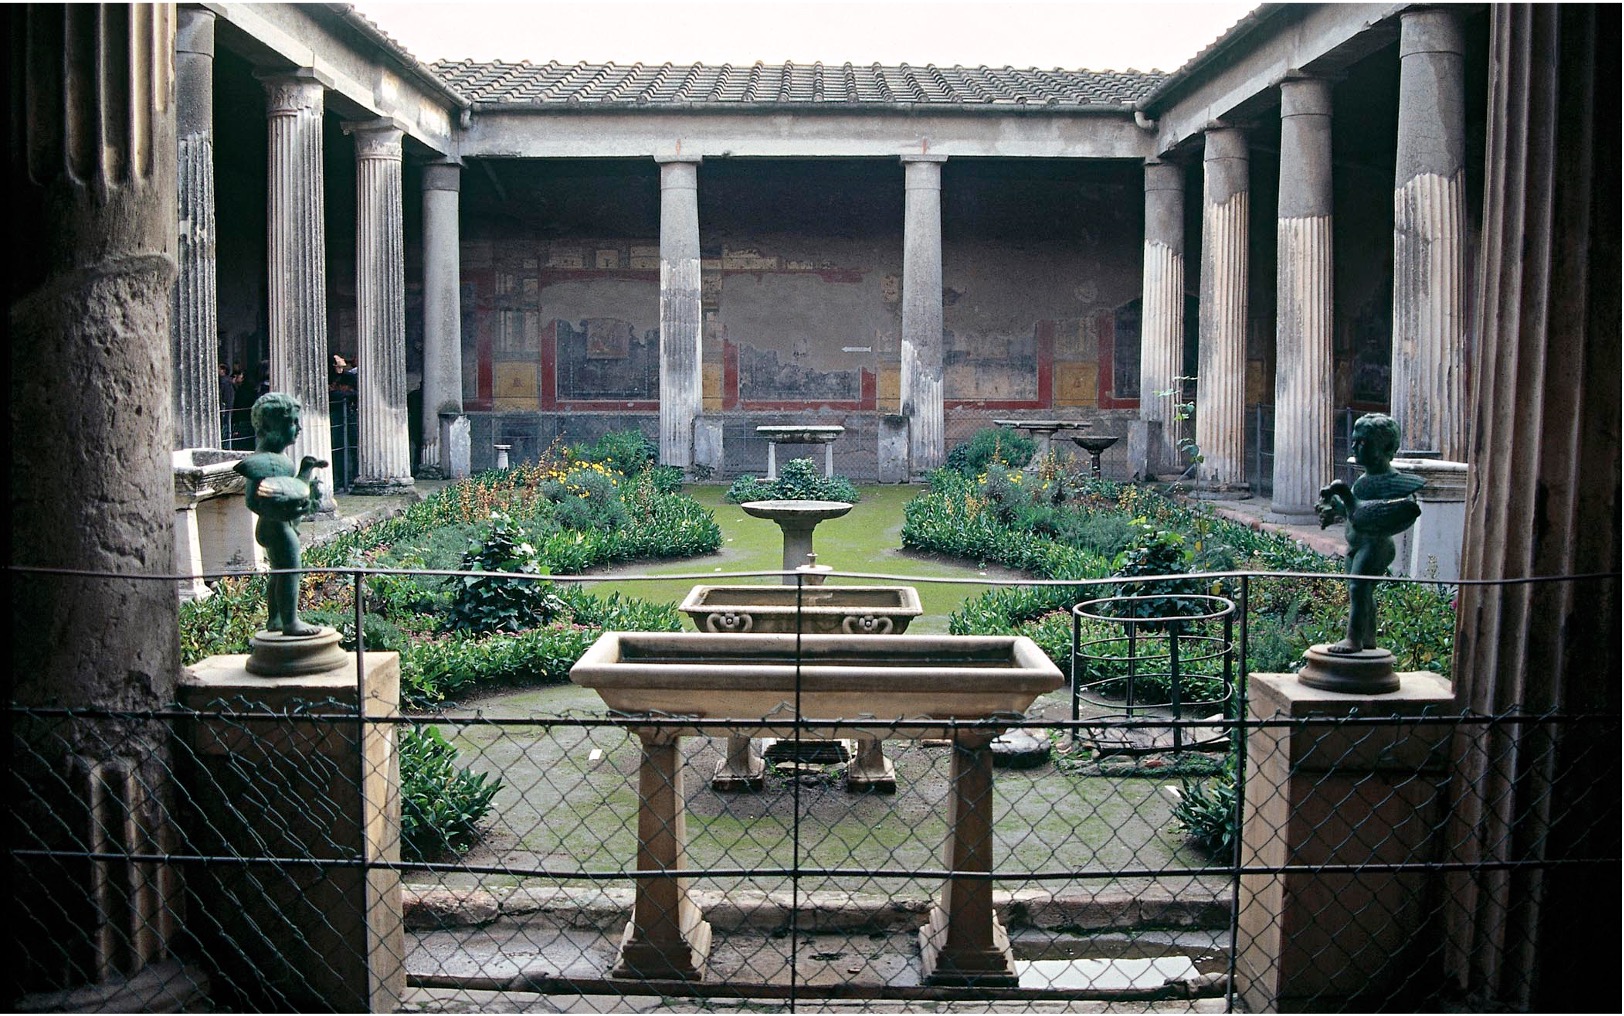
{"x": 992, "y": 966}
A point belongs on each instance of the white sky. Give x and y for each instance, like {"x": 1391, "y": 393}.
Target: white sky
{"x": 1093, "y": 36}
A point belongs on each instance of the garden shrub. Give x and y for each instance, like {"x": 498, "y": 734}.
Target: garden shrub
{"x": 490, "y": 604}
{"x": 586, "y": 499}
{"x": 627, "y": 452}
{"x": 992, "y": 444}
{"x": 1206, "y": 811}
{"x": 448, "y": 667}
{"x": 441, "y": 805}
{"x": 798, "y": 480}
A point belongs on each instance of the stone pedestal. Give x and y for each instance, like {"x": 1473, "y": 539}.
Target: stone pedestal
{"x": 456, "y": 449}
{"x": 1432, "y": 547}
{"x": 1329, "y": 793}
{"x": 214, "y": 530}
{"x": 892, "y": 453}
{"x": 963, "y": 942}
{"x": 667, "y": 938}
{"x": 310, "y": 781}
{"x": 709, "y": 450}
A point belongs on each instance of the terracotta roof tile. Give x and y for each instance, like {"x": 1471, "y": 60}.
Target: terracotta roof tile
{"x": 588, "y": 84}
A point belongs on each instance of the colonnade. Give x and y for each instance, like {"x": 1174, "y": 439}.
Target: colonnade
{"x": 1428, "y": 388}
{"x": 296, "y": 291}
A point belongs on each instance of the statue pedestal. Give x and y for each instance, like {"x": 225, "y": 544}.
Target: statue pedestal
{"x": 1324, "y": 792}
{"x": 294, "y": 771}
{"x": 277, "y": 655}
{"x": 1367, "y": 672}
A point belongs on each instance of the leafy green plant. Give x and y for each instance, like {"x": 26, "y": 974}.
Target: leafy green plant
{"x": 625, "y": 451}
{"x": 799, "y": 479}
{"x": 484, "y": 603}
{"x": 441, "y": 805}
{"x": 444, "y": 669}
{"x": 991, "y": 444}
{"x": 1206, "y": 811}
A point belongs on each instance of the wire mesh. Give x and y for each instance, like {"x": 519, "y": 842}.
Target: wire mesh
{"x": 238, "y": 852}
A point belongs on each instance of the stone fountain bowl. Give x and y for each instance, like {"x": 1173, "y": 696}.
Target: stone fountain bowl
{"x": 853, "y": 610}
{"x": 796, "y": 514}
{"x": 753, "y": 677}
{"x": 1094, "y": 444}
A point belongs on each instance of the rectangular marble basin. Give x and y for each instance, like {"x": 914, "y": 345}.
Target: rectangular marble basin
{"x": 853, "y": 610}
{"x": 752, "y": 676}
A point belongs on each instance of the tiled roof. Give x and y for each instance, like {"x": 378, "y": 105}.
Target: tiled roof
{"x": 722, "y": 85}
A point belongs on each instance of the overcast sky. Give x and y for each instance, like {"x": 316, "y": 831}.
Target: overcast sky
{"x": 1120, "y": 36}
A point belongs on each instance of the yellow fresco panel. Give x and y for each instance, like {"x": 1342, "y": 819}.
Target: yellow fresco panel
{"x": 1076, "y": 384}
{"x": 712, "y": 393}
{"x": 888, "y": 389}
{"x": 515, "y": 386}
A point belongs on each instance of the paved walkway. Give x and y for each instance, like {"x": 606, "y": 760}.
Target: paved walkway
{"x": 1250, "y": 513}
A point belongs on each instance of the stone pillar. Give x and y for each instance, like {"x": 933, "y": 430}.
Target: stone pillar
{"x": 1322, "y": 792}
{"x": 196, "y": 351}
{"x": 384, "y": 459}
{"x": 442, "y": 312}
{"x": 1543, "y": 494}
{"x": 92, "y": 213}
{"x": 1161, "y": 336}
{"x": 921, "y": 382}
{"x": 296, "y": 252}
{"x": 681, "y": 368}
{"x": 1429, "y": 235}
{"x": 1220, "y": 409}
{"x": 668, "y": 938}
{"x": 312, "y": 938}
{"x": 1302, "y": 371}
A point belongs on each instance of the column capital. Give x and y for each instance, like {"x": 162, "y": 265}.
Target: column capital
{"x": 288, "y": 93}
{"x": 1163, "y": 176}
{"x": 194, "y": 30}
{"x": 1431, "y": 30}
{"x": 921, "y": 157}
{"x": 1224, "y": 141}
{"x": 1303, "y": 95}
{"x": 442, "y": 176}
{"x": 677, "y": 158}
{"x": 376, "y": 139}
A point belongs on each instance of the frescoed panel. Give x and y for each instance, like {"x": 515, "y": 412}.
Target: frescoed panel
{"x": 1076, "y": 383}
{"x": 767, "y": 376}
{"x": 516, "y": 386}
{"x": 607, "y": 358}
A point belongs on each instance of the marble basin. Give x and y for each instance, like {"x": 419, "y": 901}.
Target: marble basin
{"x": 750, "y": 676}
{"x": 854, "y": 610}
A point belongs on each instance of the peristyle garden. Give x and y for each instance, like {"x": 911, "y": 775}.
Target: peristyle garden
{"x": 442, "y": 596}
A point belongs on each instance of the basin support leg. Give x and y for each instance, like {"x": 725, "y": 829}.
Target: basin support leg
{"x": 772, "y": 460}
{"x": 667, "y": 938}
{"x": 743, "y": 769}
{"x": 797, "y": 544}
{"x": 963, "y": 943}
{"x": 871, "y": 771}
{"x": 828, "y": 459}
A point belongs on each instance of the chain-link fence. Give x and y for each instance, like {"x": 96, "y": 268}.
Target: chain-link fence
{"x": 238, "y": 849}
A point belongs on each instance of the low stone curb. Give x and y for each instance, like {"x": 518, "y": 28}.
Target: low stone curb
{"x": 607, "y": 910}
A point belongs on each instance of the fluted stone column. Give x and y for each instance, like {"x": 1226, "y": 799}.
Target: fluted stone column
{"x": 681, "y": 368}
{"x": 1220, "y": 408}
{"x": 91, "y": 220}
{"x": 442, "y": 309}
{"x": 1161, "y": 335}
{"x": 1302, "y": 366}
{"x": 384, "y": 459}
{"x": 921, "y": 383}
{"x": 195, "y": 350}
{"x": 1429, "y": 243}
{"x": 296, "y": 252}
{"x": 1543, "y": 494}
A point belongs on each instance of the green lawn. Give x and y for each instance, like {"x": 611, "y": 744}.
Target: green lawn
{"x": 868, "y": 539}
